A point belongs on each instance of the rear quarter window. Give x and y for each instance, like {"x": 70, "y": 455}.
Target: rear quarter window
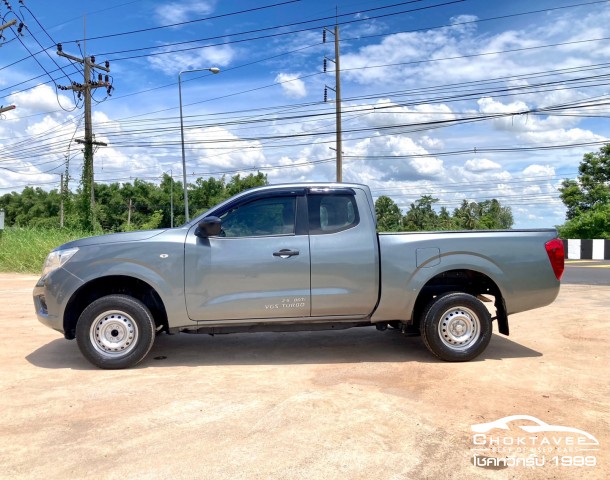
{"x": 332, "y": 213}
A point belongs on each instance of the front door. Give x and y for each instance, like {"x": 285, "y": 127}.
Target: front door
{"x": 257, "y": 268}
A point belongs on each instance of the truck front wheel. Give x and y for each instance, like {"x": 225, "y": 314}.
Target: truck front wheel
{"x": 456, "y": 327}
{"x": 115, "y": 331}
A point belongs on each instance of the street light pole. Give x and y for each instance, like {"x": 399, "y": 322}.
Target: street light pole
{"x": 186, "y": 197}
{"x": 171, "y": 199}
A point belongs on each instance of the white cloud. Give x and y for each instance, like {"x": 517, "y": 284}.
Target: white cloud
{"x": 292, "y": 85}
{"x": 411, "y": 162}
{"x": 535, "y": 129}
{"x": 539, "y": 171}
{"x": 207, "y": 57}
{"x": 532, "y": 190}
{"x": 431, "y": 143}
{"x": 40, "y": 98}
{"x": 298, "y": 165}
{"x": 177, "y": 12}
{"x": 514, "y": 109}
{"x": 417, "y": 87}
{"x": 464, "y": 24}
{"x": 509, "y": 40}
{"x": 461, "y": 52}
{"x": 387, "y": 113}
{"x": 217, "y": 148}
{"x": 561, "y": 136}
{"x": 481, "y": 165}
{"x": 35, "y": 137}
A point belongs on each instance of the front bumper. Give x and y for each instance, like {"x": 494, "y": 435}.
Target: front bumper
{"x": 51, "y": 295}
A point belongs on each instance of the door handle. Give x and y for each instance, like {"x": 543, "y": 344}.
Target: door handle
{"x": 285, "y": 253}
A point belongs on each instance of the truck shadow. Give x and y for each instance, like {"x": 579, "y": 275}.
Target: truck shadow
{"x": 359, "y": 345}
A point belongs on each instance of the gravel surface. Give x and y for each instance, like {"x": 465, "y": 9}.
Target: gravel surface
{"x": 325, "y": 405}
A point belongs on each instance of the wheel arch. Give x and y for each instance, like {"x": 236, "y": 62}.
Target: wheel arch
{"x": 464, "y": 280}
{"x": 109, "y": 285}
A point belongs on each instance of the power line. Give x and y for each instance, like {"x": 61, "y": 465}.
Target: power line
{"x": 266, "y": 29}
{"x": 348, "y": 158}
{"x": 401, "y": 126}
{"x": 391, "y": 129}
{"x": 279, "y": 34}
{"x": 378, "y": 66}
{"x": 228, "y": 42}
{"x": 188, "y": 22}
{"x": 479, "y": 20}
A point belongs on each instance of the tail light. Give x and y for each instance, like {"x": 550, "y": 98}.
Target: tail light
{"x": 555, "y": 251}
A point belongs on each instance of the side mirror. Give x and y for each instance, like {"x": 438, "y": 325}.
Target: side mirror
{"x": 209, "y": 227}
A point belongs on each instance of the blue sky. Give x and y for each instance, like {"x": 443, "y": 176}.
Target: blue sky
{"x": 456, "y": 99}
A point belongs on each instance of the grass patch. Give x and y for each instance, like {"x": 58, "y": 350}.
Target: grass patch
{"x": 23, "y": 250}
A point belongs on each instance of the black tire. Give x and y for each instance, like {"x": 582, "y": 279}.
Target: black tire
{"x": 456, "y": 327}
{"x": 116, "y": 331}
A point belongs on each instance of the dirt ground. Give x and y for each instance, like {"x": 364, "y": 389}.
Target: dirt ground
{"x": 325, "y": 405}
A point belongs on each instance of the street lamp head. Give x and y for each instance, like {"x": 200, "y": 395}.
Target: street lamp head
{"x": 214, "y": 70}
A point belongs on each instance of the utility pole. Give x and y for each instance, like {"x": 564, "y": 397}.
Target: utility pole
{"x": 129, "y": 216}
{"x": 6, "y": 109}
{"x": 61, "y": 204}
{"x": 337, "y": 91}
{"x": 85, "y": 90}
{"x": 7, "y": 25}
{"x": 171, "y": 199}
{"x": 3, "y": 27}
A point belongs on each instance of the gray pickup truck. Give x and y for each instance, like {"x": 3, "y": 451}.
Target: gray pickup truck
{"x": 288, "y": 258}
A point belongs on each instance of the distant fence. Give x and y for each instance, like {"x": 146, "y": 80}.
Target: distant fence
{"x": 587, "y": 249}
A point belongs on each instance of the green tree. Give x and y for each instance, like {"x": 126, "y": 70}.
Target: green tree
{"x": 592, "y": 187}
{"x": 239, "y": 184}
{"x": 445, "y": 220}
{"x": 172, "y": 194}
{"x": 594, "y": 223}
{"x": 155, "y": 221}
{"x": 110, "y": 206}
{"x": 466, "y": 217}
{"x": 486, "y": 215}
{"x": 33, "y": 206}
{"x": 492, "y": 215}
{"x": 144, "y": 199}
{"x": 421, "y": 215}
{"x": 206, "y": 194}
{"x": 388, "y": 214}
{"x": 138, "y": 205}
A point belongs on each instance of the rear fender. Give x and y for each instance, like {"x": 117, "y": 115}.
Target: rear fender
{"x": 396, "y": 305}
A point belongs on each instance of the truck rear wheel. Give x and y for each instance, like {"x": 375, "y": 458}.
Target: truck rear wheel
{"x": 115, "y": 331}
{"x": 456, "y": 327}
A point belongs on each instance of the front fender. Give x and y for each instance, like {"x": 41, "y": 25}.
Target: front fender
{"x": 158, "y": 264}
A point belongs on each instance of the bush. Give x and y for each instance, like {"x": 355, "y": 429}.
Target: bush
{"x": 594, "y": 223}
{"x": 24, "y": 250}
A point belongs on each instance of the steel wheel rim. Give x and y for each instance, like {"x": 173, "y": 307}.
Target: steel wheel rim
{"x": 113, "y": 333}
{"x": 459, "y": 328}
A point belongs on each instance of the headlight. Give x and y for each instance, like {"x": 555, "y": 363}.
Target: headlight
{"x": 57, "y": 259}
